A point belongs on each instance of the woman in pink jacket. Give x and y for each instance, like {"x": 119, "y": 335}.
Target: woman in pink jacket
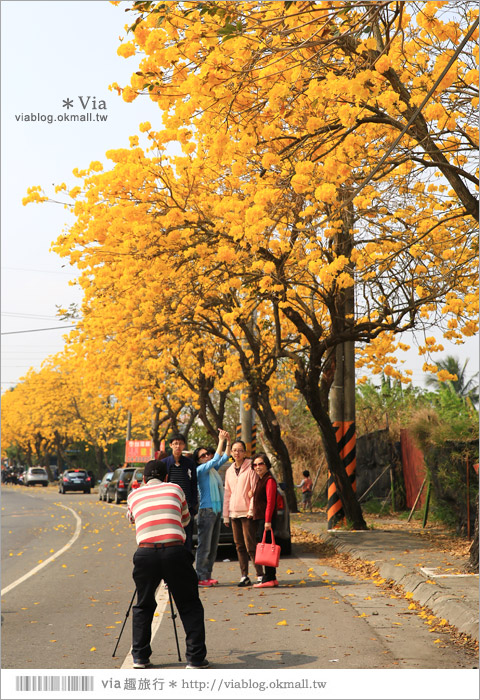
{"x": 240, "y": 481}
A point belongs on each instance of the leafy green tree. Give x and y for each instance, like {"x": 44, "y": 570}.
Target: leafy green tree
{"x": 463, "y": 387}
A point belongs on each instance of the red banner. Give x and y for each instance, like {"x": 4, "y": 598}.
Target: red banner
{"x": 138, "y": 451}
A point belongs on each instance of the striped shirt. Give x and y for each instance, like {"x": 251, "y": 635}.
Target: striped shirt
{"x": 159, "y": 511}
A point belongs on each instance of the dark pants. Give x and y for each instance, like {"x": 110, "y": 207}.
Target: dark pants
{"x": 244, "y": 537}
{"x": 270, "y": 571}
{"x": 189, "y": 533}
{"x": 175, "y": 566}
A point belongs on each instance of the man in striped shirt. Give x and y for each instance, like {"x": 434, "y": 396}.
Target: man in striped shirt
{"x": 160, "y": 513}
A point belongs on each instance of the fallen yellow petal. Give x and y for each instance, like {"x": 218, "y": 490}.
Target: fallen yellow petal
{"x": 93, "y": 649}
{"x": 283, "y": 623}
{"x": 408, "y": 594}
{"x": 88, "y": 625}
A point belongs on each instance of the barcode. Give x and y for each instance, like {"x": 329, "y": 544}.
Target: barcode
{"x": 52, "y": 683}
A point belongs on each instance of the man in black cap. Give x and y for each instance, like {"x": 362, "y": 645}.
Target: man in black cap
{"x": 160, "y": 513}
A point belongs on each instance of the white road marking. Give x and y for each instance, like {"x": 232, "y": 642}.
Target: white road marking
{"x": 431, "y": 573}
{"x": 162, "y": 599}
{"x": 33, "y": 571}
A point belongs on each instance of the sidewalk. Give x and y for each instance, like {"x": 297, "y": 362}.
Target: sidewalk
{"x": 437, "y": 579}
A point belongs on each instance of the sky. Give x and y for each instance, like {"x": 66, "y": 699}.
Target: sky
{"x": 67, "y": 52}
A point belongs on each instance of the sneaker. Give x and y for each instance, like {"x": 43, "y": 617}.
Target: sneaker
{"x": 259, "y": 579}
{"x": 202, "y": 664}
{"x": 212, "y": 581}
{"x": 206, "y": 582}
{"x": 244, "y": 581}
{"x": 266, "y": 584}
{"x": 139, "y": 663}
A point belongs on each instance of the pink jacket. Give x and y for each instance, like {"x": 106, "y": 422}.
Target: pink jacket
{"x": 236, "y": 501}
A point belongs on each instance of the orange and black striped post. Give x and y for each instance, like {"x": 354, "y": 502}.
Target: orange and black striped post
{"x": 346, "y": 442}
{"x": 342, "y": 413}
{"x": 254, "y": 440}
{"x": 251, "y": 446}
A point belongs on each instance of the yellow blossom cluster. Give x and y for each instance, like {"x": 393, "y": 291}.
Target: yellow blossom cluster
{"x": 270, "y": 214}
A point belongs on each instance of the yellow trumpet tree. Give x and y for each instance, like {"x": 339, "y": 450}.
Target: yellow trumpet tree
{"x": 290, "y": 192}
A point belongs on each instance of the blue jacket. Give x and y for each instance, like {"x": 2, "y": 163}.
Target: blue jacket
{"x": 203, "y": 475}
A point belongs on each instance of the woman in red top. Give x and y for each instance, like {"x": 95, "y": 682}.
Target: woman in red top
{"x": 263, "y": 509}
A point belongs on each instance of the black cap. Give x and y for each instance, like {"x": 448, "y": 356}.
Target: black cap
{"x": 155, "y": 469}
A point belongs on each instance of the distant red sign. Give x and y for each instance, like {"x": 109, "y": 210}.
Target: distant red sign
{"x": 475, "y": 466}
{"x": 138, "y": 451}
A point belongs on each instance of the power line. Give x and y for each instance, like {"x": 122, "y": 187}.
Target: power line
{"x": 48, "y": 272}
{"x": 35, "y": 330}
{"x": 12, "y": 314}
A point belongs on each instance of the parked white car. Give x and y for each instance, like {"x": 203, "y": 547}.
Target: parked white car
{"x": 36, "y": 475}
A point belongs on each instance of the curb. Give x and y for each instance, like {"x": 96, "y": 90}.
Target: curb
{"x": 442, "y": 603}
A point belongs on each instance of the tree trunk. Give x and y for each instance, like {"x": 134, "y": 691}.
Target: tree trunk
{"x": 308, "y": 385}
{"x": 273, "y": 433}
{"x": 100, "y": 459}
{"x": 154, "y": 431}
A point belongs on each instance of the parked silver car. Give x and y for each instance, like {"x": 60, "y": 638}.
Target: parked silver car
{"x": 36, "y": 475}
{"x": 102, "y": 486}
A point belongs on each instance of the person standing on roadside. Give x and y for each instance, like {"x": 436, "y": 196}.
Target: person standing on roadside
{"x": 263, "y": 510}
{"x": 240, "y": 480}
{"x": 160, "y": 513}
{"x": 306, "y": 485}
{"x": 181, "y": 470}
{"x": 209, "y": 519}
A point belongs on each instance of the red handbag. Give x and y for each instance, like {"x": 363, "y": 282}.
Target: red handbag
{"x": 267, "y": 554}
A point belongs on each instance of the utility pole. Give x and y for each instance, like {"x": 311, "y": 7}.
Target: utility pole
{"x": 246, "y": 422}
{"x": 246, "y": 414}
{"x": 342, "y": 393}
{"x": 129, "y": 425}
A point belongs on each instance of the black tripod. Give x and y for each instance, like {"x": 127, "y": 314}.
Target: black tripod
{"x": 173, "y": 613}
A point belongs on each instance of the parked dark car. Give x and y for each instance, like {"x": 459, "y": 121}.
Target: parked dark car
{"x": 75, "y": 480}
{"x": 117, "y": 487}
{"x": 136, "y": 480}
{"x": 102, "y": 486}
